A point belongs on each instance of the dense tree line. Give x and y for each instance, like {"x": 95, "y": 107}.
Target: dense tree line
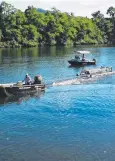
{"x": 33, "y": 28}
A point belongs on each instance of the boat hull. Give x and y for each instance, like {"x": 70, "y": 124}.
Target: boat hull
{"x": 81, "y": 63}
{"x": 20, "y": 91}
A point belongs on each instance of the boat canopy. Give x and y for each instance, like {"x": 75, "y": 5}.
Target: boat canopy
{"x": 83, "y": 52}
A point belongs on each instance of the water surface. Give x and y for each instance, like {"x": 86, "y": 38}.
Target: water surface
{"x": 66, "y": 123}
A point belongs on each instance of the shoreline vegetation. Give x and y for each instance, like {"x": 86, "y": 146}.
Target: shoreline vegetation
{"x": 37, "y": 27}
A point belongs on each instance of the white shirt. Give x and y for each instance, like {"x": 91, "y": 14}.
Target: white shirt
{"x": 27, "y": 79}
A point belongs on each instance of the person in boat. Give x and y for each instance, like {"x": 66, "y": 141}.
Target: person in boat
{"x": 83, "y": 57}
{"x": 27, "y": 79}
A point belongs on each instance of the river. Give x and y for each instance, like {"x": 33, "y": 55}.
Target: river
{"x": 66, "y": 123}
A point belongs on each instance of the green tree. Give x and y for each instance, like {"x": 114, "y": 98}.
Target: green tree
{"x": 111, "y": 12}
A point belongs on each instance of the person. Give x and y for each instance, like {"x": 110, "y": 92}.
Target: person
{"x": 83, "y": 58}
{"x": 27, "y": 79}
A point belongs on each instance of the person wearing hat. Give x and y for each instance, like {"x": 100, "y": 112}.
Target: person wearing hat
{"x": 27, "y": 79}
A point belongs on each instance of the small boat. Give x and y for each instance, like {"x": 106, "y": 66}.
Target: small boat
{"x": 95, "y": 72}
{"x": 81, "y": 62}
{"x": 19, "y": 89}
{"x": 86, "y": 76}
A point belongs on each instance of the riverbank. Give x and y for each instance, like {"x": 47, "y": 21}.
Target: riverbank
{"x": 30, "y": 44}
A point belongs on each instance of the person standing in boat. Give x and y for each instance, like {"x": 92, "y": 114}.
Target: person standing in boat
{"x": 83, "y": 57}
{"x": 27, "y": 79}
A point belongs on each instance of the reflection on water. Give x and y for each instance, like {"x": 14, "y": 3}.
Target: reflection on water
{"x": 66, "y": 123}
{"x": 20, "y": 99}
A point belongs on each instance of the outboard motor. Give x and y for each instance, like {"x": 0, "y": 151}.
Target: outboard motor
{"x": 38, "y": 79}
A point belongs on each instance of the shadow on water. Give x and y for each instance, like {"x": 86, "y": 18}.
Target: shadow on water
{"x": 19, "y": 99}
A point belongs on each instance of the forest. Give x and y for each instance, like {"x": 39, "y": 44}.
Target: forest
{"x": 34, "y": 27}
